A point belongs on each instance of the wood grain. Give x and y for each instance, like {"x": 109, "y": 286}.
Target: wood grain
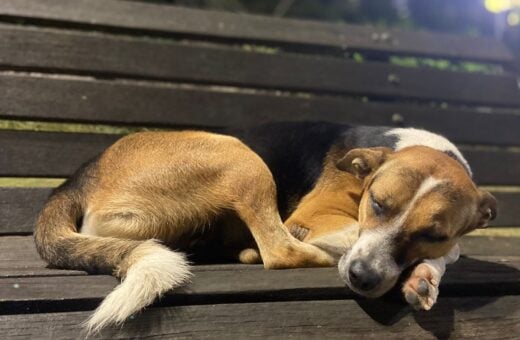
{"x": 37, "y": 154}
{"x": 19, "y": 208}
{"x": 20, "y": 258}
{"x": 467, "y": 277}
{"x": 127, "y": 57}
{"x": 146, "y": 103}
{"x": 48, "y": 154}
{"x": 162, "y": 19}
{"x": 477, "y": 317}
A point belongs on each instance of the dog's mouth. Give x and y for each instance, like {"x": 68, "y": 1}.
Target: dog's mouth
{"x": 365, "y": 279}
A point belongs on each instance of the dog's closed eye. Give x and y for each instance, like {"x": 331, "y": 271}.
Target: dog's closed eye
{"x": 430, "y": 235}
{"x": 377, "y": 206}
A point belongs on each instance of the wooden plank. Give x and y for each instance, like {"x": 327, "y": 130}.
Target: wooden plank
{"x": 486, "y": 246}
{"x": 153, "y": 104}
{"x": 126, "y": 57}
{"x": 467, "y": 277}
{"x": 457, "y": 318}
{"x": 508, "y": 212}
{"x": 20, "y": 258}
{"x": 154, "y": 18}
{"x": 33, "y": 154}
{"x": 48, "y": 154}
{"x": 19, "y": 208}
{"x": 499, "y": 167}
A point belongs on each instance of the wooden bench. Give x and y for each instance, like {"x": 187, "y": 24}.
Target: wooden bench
{"x": 130, "y": 64}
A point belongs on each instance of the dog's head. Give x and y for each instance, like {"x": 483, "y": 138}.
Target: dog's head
{"x": 416, "y": 203}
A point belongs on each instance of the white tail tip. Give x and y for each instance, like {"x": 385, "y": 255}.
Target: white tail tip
{"x": 156, "y": 270}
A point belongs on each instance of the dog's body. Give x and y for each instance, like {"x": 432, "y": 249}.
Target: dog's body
{"x": 191, "y": 188}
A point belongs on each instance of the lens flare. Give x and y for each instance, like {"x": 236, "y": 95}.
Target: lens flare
{"x": 497, "y": 6}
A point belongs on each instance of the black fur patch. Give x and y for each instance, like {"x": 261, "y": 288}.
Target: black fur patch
{"x": 368, "y": 137}
{"x": 294, "y": 152}
{"x": 82, "y": 176}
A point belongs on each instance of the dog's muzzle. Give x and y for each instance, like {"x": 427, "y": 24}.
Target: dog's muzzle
{"x": 369, "y": 270}
{"x": 362, "y": 276}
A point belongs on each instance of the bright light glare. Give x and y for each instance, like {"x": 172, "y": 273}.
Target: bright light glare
{"x": 497, "y": 6}
{"x": 513, "y": 19}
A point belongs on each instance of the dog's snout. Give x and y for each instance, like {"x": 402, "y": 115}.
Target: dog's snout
{"x": 362, "y": 277}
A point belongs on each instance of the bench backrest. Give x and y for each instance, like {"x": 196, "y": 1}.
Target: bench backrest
{"x": 135, "y": 64}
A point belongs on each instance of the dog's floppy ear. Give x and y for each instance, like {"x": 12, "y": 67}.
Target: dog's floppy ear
{"x": 361, "y": 162}
{"x": 486, "y": 211}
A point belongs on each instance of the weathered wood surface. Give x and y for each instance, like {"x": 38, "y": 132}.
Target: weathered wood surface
{"x": 490, "y": 246}
{"x": 48, "y": 154}
{"x": 490, "y": 167}
{"x": 112, "y": 56}
{"x": 60, "y": 154}
{"x": 509, "y": 203}
{"x": 458, "y": 318}
{"x": 177, "y": 21}
{"x": 19, "y": 208}
{"x": 148, "y": 103}
{"x": 231, "y": 283}
{"x": 221, "y": 295}
{"x": 20, "y": 259}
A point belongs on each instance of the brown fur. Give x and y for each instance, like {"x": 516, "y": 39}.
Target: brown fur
{"x": 331, "y": 205}
{"x": 165, "y": 186}
{"x": 171, "y": 186}
{"x": 450, "y": 210}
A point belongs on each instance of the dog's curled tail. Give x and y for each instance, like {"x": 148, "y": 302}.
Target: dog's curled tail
{"x": 147, "y": 268}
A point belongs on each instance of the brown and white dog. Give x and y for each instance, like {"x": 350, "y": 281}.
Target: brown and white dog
{"x": 377, "y": 199}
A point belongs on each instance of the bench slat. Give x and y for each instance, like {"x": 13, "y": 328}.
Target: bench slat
{"x": 467, "y": 277}
{"x": 20, "y": 258}
{"x": 60, "y": 154}
{"x": 494, "y": 166}
{"x": 151, "y": 104}
{"x": 48, "y": 154}
{"x": 84, "y": 53}
{"x": 20, "y": 206}
{"x": 251, "y": 28}
{"x": 482, "y": 317}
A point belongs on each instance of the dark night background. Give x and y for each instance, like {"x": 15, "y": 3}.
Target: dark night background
{"x": 471, "y": 17}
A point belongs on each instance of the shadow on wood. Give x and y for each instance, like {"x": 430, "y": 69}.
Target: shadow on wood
{"x": 441, "y": 320}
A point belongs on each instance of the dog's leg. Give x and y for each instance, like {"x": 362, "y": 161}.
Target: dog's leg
{"x": 256, "y": 206}
{"x": 277, "y": 247}
{"x": 422, "y": 287}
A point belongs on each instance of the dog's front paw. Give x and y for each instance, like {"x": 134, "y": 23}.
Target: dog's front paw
{"x": 422, "y": 287}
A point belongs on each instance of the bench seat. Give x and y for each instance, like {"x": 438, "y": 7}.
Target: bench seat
{"x": 479, "y": 296}
{"x": 76, "y": 75}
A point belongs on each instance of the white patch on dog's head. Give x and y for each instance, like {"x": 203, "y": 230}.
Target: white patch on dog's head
{"x": 413, "y": 137}
{"x": 374, "y": 247}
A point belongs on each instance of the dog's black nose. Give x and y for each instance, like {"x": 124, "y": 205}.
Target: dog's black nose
{"x": 362, "y": 277}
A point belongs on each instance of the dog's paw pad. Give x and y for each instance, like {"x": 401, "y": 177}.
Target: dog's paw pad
{"x": 422, "y": 287}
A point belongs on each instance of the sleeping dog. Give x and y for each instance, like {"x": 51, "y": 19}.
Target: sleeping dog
{"x": 374, "y": 200}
